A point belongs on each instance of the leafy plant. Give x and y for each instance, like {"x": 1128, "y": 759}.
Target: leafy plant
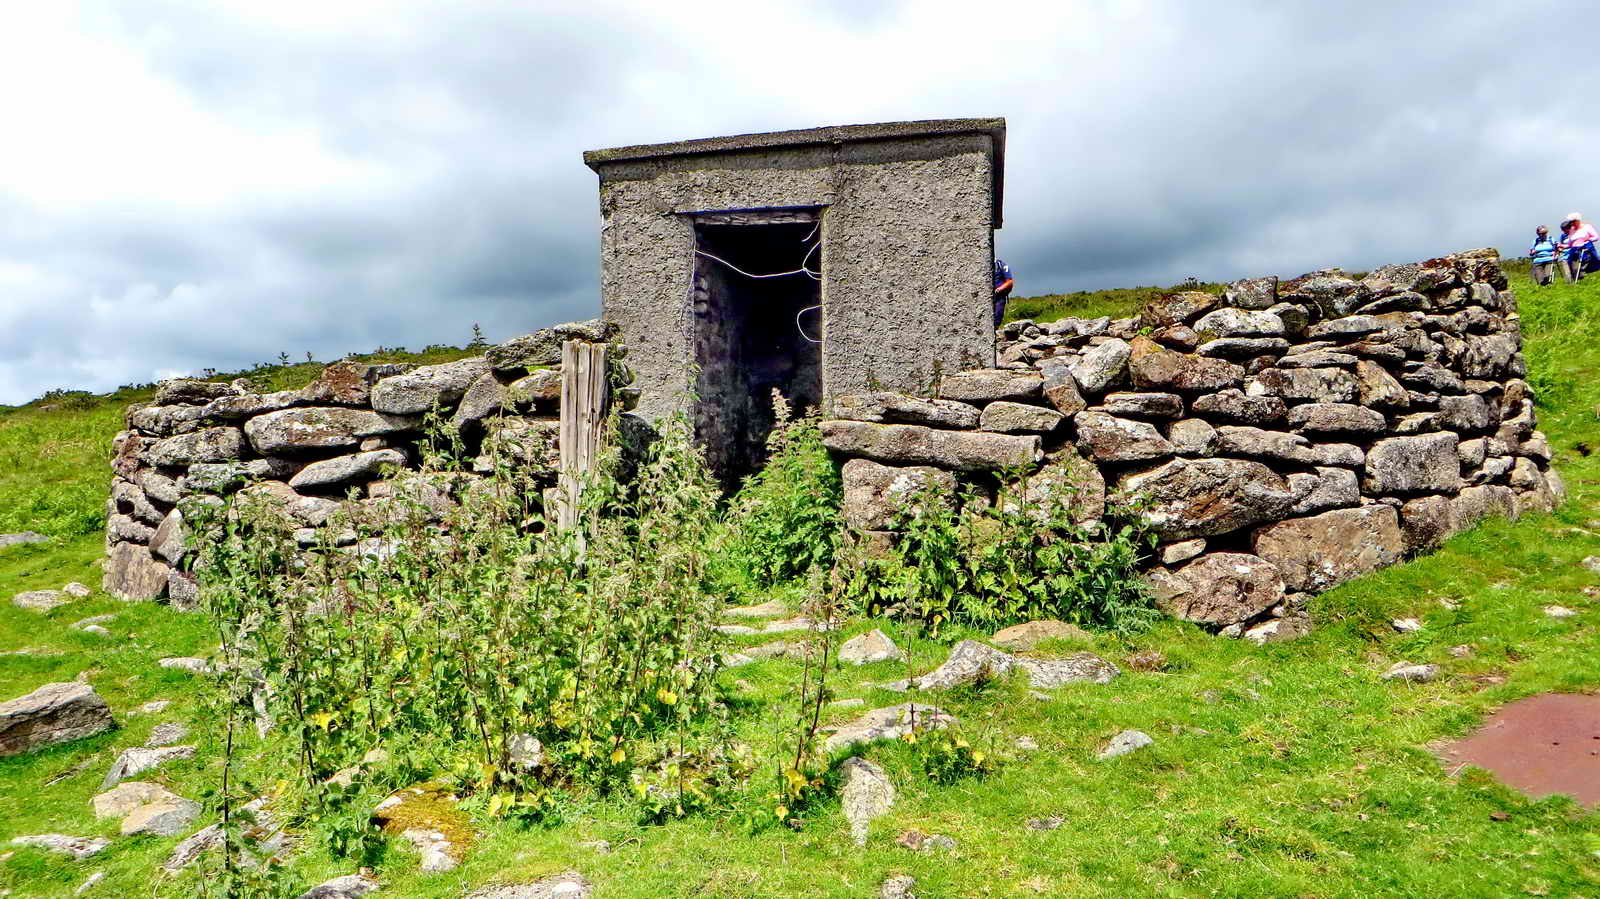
{"x": 786, "y": 517}
{"x": 1028, "y": 554}
{"x": 947, "y": 756}
{"x": 452, "y": 622}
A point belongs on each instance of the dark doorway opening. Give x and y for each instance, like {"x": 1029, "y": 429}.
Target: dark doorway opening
{"x": 757, "y": 304}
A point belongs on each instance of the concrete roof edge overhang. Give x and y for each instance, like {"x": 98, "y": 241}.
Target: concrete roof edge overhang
{"x": 811, "y": 137}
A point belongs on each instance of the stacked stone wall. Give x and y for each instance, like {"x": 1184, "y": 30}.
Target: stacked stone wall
{"x": 1287, "y": 436}
{"x": 350, "y": 436}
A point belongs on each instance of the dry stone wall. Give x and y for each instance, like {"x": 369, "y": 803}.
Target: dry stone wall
{"x": 1288, "y": 436}
{"x": 351, "y": 435}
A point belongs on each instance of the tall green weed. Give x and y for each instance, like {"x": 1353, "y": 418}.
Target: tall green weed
{"x": 1026, "y": 555}
{"x": 785, "y": 520}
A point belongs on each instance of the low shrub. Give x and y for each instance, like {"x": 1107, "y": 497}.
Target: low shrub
{"x": 785, "y": 520}
{"x": 965, "y": 560}
{"x": 482, "y": 644}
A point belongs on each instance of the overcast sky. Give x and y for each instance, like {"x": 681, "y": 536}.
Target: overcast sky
{"x": 193, "y": 184}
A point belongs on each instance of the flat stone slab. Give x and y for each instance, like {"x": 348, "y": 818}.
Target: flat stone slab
{"x": 890, "y": 723}
{"x": 54, "y": 713}
{"x": 570, "y": 885}
{"x": 19, "y": 539}
{"x": 769, "y": 609}
{"x": 40, "y": 600}
{"x": 77, "y": 847}
{"x": 1541, "y": 746}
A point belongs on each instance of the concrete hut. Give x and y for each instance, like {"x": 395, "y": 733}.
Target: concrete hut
{"x": 815, "y": 262}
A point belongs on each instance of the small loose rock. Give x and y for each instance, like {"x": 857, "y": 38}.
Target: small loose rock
{"x": 61, "y": 844}
{"x": 866, "y": 793}
{"x": 166, "y": 735}
{"x": 40, "y": 600}
{"x": 1559, "y": 612}
{"x": 1407, "y": 625}
{"x": 898, "y": 887}
{"x": 1406, "y": 671}
{"x": 873, "y": 646}
{"x": 348, "y": 886}
{"x": 1124, "y": 743}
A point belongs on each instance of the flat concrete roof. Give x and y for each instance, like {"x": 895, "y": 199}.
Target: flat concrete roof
{"x": 810, "y": 137}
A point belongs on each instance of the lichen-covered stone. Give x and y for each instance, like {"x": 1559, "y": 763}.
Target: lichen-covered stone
{"x": 317, "y": 428}
{"x": 872, "y": 646}
{"x": 1154, "y": 368}
{"x": 1142, "y": 405}
{"x": 208, "y": 445}
{"x": 1378, "y": 389}
{"x": 889, "y": 723}
{"x": 425, "y": 388}
{"x": 1176, "y": 309}
{"x": 344, "y": 469}
{"x": 1427, "y": 463}
{"x": 981, "y": 386}
{"x": 1305, "y": 385}
{"x": 349, "y": 383}
{"x": 1242, "y": 347}
{"x": 54, "y": 713}
{"x": 189, "y": 391}
{"x": 1251, "y": 293}
{"x": 1336, "y": 418}
{"x": 486, "y": 397}
{"x": 1106, "y": 438}
{"x": 865, "y": 793}
{"x": 916, "y": 445}
{"x": 1006, "y": 417}
{"x": 1192, "y": 437}
{"x": 1027, "y": 636}
{"x": 1323, "y": 551}
{"x": 876, "y": 495}
{"x": 538, "y": 389}
{"x": 1207, "y": 497}
{"x": 1069, "y": 479}
{"x": 1102, "y": 365}
{"x": 132, "y": 574}
{"x": 1061, "y": 389}
{"x": 1219, "y": 588}
{"x": 1235, "y": 406}
{"x": 886, "y": 407}
{"x": 1233, "y": 322}
{"x": 543, "y": 347}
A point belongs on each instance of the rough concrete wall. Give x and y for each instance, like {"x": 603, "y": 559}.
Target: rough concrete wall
{"x": 1289, "y": 437}
{"x": 906, "y": 255}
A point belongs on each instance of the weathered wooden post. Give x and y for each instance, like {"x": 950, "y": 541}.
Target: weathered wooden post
{"x": 584, "y": 394}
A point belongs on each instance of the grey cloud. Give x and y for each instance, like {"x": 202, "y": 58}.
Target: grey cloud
{"x": 1213, "y": 140}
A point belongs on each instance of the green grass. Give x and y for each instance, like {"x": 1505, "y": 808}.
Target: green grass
{"x": 1116, "y": 303}
{"x": 1288, "y": 770}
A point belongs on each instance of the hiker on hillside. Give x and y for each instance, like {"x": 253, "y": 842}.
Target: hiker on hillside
{"x": 1003, "y": 282}
{"x": 1580, "y": 244}
{"x": 1543, "y": 255}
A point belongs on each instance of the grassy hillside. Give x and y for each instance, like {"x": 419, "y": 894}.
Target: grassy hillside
{"x": 1289, "y": 770}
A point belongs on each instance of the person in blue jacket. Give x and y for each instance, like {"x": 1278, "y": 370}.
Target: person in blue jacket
{"x": 1543, "y": 255}
{"x": 1003, "y": 282}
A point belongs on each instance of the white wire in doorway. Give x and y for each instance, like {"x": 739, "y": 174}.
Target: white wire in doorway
{"x": 801, "y": 328}
{"x": 803, "y": 269}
